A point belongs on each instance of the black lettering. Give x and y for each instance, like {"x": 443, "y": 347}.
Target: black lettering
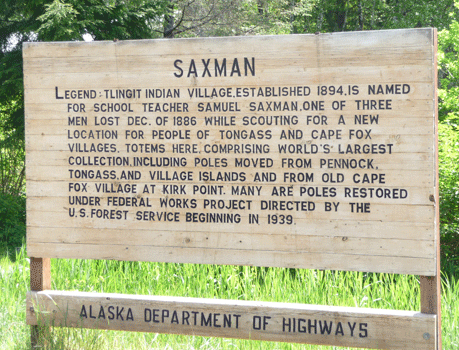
{"x": 235, "y": 69}
{"x": 206, "y": 322}
{"x": 119, "y": 313}
{"x": 164, "y": 314}
{"x": 339, "y": 329}
{"x": 112, "y": 314}
{"x": 216, "y": 320}
{"x": 101, "y": 313}
{"x": 226, "y": 321}
{"x": 249, "y": 67}
{"x": 147, "y": 315}
{"x": 90, "y": 312}
{"x": 285, "y": 324}
{"x": 206, "y": 67}
{"x": 363, "y": 330}
{"x": 310, "y": 325}
{"x": 220, "y": 70}
{"x": 352, "y": 327}
{"x": 325, "y": 327}
{"x": 237, "y": 320}
{"x": 57, "y": 95}
{"x": 185, "y": 317}
{"x": 129, "y": 316}
{"x": 174, "y": 318}
{"x": 192, "y": 69}
{"x": 156, "y": 315}
{"x": 176, "y": 65}
{"x": 83, "y": 309}
{"x": 195, "y": 314}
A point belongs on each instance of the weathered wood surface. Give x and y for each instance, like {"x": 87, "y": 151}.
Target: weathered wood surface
{"x": 296, "y": 323}
{"x": 40, "y": 279}
{"x": 391, "y": 233}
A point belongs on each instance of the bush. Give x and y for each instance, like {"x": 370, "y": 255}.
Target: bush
{"x": 12, "y": 222}
{"x": 449, "y": 190}
{"x": 448, "y": 142}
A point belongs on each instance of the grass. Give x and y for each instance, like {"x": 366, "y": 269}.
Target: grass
{"x": 371, "y": 290}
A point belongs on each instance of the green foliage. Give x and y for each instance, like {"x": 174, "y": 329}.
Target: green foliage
{"x": 45, "y": 20}
{"x": 252, "y": 17}
{"x": 12, "y": 167}
{"x": 448, "y": 72}
{"x": 12, "y": 222}
{"x": 348, "y": 15}
{"x": 449, "y": 191}
{"x": 275, "y": 16}
{"x": 58, "y": 21}
{"x": 101, "y": 20}
{"x": 448, "y": 143}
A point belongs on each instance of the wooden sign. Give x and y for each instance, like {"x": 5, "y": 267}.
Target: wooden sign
{"x": 282, "y": 322}
{"x": 308, "y": 151}
{"x": 301, "y": 151}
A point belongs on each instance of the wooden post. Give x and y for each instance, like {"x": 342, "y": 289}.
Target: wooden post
{"x": 40, "y": 279}
{"x": 431, "y": 285}
{"x": 430, "y": 302}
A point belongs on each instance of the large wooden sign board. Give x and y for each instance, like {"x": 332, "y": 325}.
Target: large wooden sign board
{"x": 302, "y": 151}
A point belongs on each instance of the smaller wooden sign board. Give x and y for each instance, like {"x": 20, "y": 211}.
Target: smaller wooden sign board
{"x": 281, "y": 322}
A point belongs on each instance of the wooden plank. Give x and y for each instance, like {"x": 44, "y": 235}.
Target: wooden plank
{"x": 343, "y": 326}
{"x": 288, "y": 149}
{"x": 391, "y": 40}
{"x": 35, "y": 49}
{"x": 387, "y": 230}
{"x": 415, "y": 162}
{"x": 373, "y": 194}
{"x": 416, "y": 101}
{"x": 246, "y": 248}
{"x": 203, "y": 219}
{"x": 54, "y": 124}
{"x": 107, "y": 63}
{"x": 51, "y": 123}
{"x": 245, "y": 176}
{"x": 295, "y": 71}
{"x": 267, "y": 242}
{"x": 72, "y": 134}
{"x": 412, "y": 108}
{"x": 295, "y": 259}
{"x": 331, "y": 47}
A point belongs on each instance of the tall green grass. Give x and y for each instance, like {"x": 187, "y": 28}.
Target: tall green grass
{"x": 208, "y": 281}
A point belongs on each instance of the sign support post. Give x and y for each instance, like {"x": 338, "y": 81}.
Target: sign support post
{"x": 40, "y": 280}
{"x": 430, "y": 301}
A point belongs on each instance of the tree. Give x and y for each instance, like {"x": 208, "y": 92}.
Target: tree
{"x": 448, "y": 58}
{"x": 56, "y": 20}
{"x": 200, "y": 18}
{"x": 41, "y": 20}
{"x": 349, "y": 15}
